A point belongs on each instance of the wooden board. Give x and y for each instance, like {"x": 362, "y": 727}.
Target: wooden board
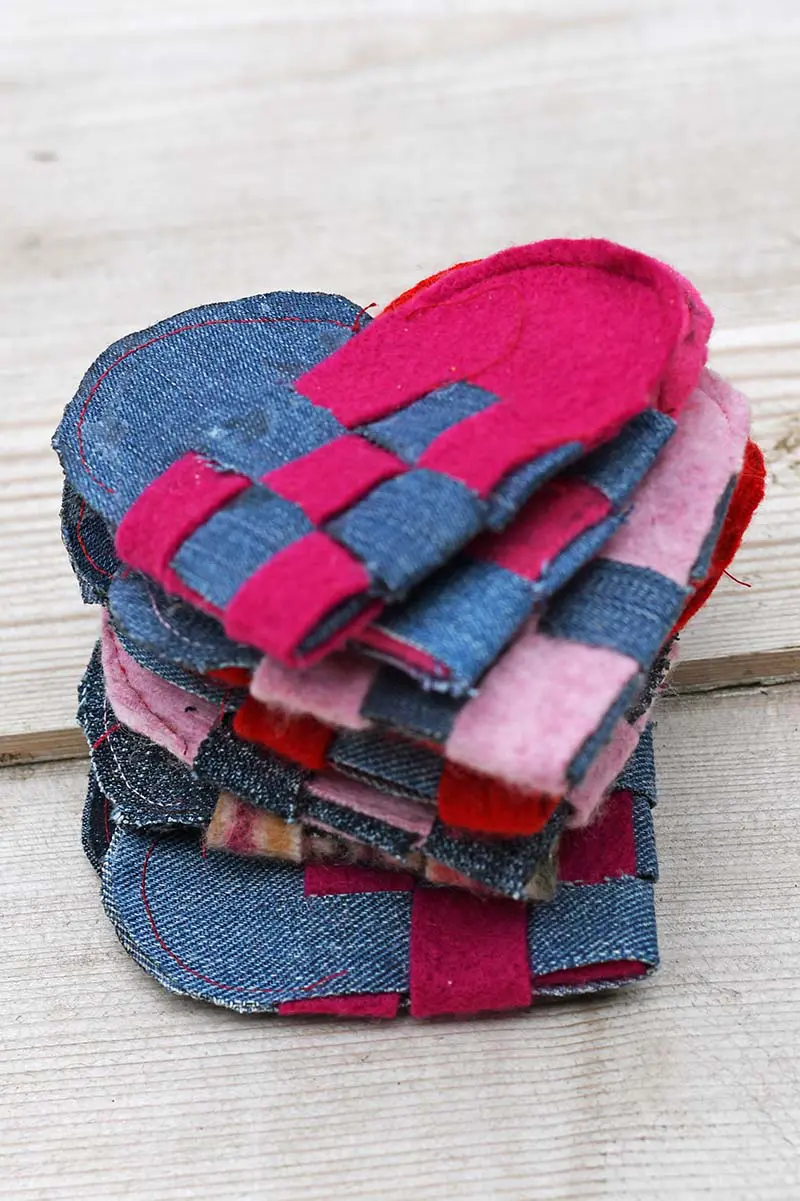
{"x": 686, "y": 1086}
{"x": 162, "y": 157}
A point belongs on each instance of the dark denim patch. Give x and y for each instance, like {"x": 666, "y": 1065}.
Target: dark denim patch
{"x": 394, "y": 699}
{"x": 389, "y": 764}
{"x": 97, "y": 825}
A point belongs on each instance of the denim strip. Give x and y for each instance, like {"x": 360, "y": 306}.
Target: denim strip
{"x": 702, "y": 563}
{"x": 407, "y": 526}
{"x": 224, "y": 695}
{"x": 358, "y": 826}
{"x": 600, "y": 923}
{"x": 241, "y": 933}
{"x": 617, "y": 468}
{"x": 655, "y": 679}
{"x": 231, "y": 546}
{"x": 251, "y": 773}
{"x": 89, "y": 545}
{"x": 388, "y": 764}
{"x": 409, "y": 432}
{"x": 618, "y": 606}
{"x": 639, "y": 773}
{"x": 394, "y": 699}
{"x": 97, "y": 826}
{"x": 518, "y": 486}
{"x": 644, "y": 833}
{"x": 173, "y": 629}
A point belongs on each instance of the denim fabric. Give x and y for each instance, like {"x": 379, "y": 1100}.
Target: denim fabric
{"x": 89, "y": 545}
{"x": 409, "y": 525}
{"x": 145, "y": 784}
{"x": 702, "y": 563}
{"x": 387, "y": 764}
{"x": 617, "y": 468}
{"x": 409, "y": 432}
{"x": 248, "y": 772}
{"x": 214, "y": 380}
{"x": 242, "y": 933}
{"x": 358, "y": 826}
{"x": 394, "y": 699}
{"x": 658, "y": 673}
{"x": 204, "y": 686}
{"x": 231, "y": 546}
{"x": 639, "y": 773}
{"x": 644, "y": 833}
{"x": 503, "y": 864}
{"x": 97, "y": 826}
{"x": 174, "y": 630}
{"x": 511, "y": 493}
{"x": 602, "y": 735}
{"x": 616, "y": 605}
{"x": 336, "y": 619}
{"x": 601, "y": 923}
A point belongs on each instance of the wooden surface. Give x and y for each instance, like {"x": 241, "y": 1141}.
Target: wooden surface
{"x": 156, "y": 157}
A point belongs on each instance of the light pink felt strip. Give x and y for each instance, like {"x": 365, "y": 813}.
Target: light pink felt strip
{"x": 149, "y": 705}
{"x": 416, "y": 817}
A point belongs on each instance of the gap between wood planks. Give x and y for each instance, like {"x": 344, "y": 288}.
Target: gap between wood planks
{"x": 734, "y": 673}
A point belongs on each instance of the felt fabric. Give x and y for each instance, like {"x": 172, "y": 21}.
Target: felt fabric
{"x": 245, "y": 934}
{"x": 547, "y": 695}
{"x": 216, "y": 470}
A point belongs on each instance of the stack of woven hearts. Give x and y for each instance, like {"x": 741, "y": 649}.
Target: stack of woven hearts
{"x": 387, "y": 605}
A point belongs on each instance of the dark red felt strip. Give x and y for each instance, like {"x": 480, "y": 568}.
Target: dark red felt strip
{"x": 605, "y": 849}
{"x": 367, "y": 1005}
{"x": 590, "y": 973}
{"x": 468, "y": 953}
{"x": 325, "y": 880}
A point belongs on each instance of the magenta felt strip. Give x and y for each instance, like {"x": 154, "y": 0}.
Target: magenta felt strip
{"x": 171, "y": 508}
{"x": 368, "y": 1005}
{"x": 151, "y": 706}
{"x": 276, "y": 608}
{"x": 468, "y": 954}
{"x": 325, "y": 880}
{"x": 335, "y": 476}
{"x": 553, "y": 517}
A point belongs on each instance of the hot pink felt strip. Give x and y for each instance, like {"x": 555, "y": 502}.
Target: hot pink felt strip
{"x": 368, "y": 1005}
{"x": 604, "y": 850}
{"x": 333, "y": 477}
{"x": 326, "y": 880}
{"x": 286, "y": 598}
{"x": 556, "y": 515}
{"x": 151, "y": 706}
{"x": 169, "y": 510}
{"x": 468, "y": 953}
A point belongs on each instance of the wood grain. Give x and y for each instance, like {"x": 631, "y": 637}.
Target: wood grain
{"x": 687, "y": 1086}
{"x": 164, "y": 156}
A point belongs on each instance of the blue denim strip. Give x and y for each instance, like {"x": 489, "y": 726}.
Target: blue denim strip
{"x": 662, "y": 665}
{"x": 463, "y": 617}
{"x": 639, "y": 773}
{"x": 147, "y": 786}
{"x": 617, "y": 468}
{"x": 241, "y": 537}
{"x": 408, "y": 525}
{"x": 388, "y": 764}
{"x": 190, "y": 681}
{"x": 221, "y": 389}
{"x": 702, "y": 563}
{"x": 519, "y": 485}
{"x": 409, "y": 432}
{"x": 394, "y": 699}
{"x": 358, "y": 826}
{"x": 96, "y": 824}
{"x": 249, "y": 772}
{"x": 619, "y": 606}
{"x": 601, "y": 736}
{"x": 644, "y": 833}
{"x": 242, "y": 933}
{"x": 89, "y": 545}
{"x": 174, "y": 630}
{"x": 600, "y": 923}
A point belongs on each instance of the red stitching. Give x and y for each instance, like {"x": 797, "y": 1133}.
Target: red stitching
{"x": 192, "y": 971}
{"x": 82, "y": 545}
{"x": 183, "y": 329}
{"x": 106, "y": 734}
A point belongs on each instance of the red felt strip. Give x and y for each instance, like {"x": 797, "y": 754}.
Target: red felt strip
{"x": 366, "y": 1005}
{"x": 286, "y": 598}
{"x": 169, "y": 510}
{"x": 480, "y": 803}
{"x": 468, "y": 953}
{"x": 556, "y": 515}
{"x": 325, "y": 880}
{"x": 333, "y": 477}
{"x": 236, "y": 677}
{"x": 605, "y": 849}
{"x": 747, "y": 496}
{"x": 590, "y": 973}
{"x": 302, "y": 739}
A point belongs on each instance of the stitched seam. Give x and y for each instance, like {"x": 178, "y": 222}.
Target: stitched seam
{"x": 193, "y": 971}
{"x": 126, "y": 781}
{"x": 184, "y": 329}
{"x": 163, "y": 621}
{"x": 82, "y": 545}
